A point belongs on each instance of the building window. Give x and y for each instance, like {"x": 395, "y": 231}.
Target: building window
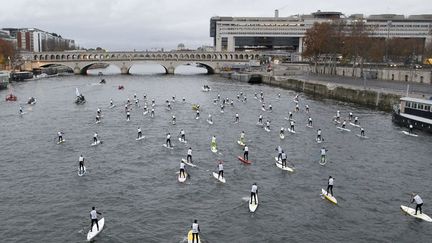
{"x": 406, "y": 78}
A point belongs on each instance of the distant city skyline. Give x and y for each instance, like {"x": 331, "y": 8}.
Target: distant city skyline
{"x": 133, "y": 24}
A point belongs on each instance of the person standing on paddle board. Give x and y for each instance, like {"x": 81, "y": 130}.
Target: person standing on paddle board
{"x": 307, "y": 108}
{"x": 282, "y": 131}
{"x": 323, "y": 154}
{"x": 81, "y": 163}
{"x": 220, "y": 168}
{"x": 290, "y": 116}
{"x": 362, "y": 132}
{"x": 260, "y": 119}
{"x": 236, "y": 117}
{"x": 95, "y": 137}
{"x": 222, "y": 108}
{"x": 189, "y": 155}
{"x": 145, "y": 109}
{"x": 152, "y": 113}
{"x": 197, "y": 114}
{"x": 139, "y": 133}
{"x": 168, "y": 140}
{"x": 419, "y": 202}
{"x": 213, "y": 141}
{"x": 195, "y": 231}
{"x": 270, "y": 107}
{"x": 343, "y": 124}
{"x": 20, "y": 110}
{"x": 111, "y": 102}
{"x": 246, "y": 153}
{"x": 356, "y": 120}
{"x": 60, "y": 137}
{"x": 182, "y": 169}
{"x": 242, "y": 136}
{"x": 182, "y": 135}
{"x": 330, "y": 185}
{"x": 279, "y": 149}
{"x": 210, "y": 119}
{"x": 410, "y": 128}
{"x": 297, "y": 108}
{"x": 98, "y": 112}
{"x": 319, "y": 138}
{"x": 350, "y": 116}
{"x": 128, "y": 115}
{"x": 292, "y": 125}
{"x": 337, "y": 115}
{"x": 268, "y": 125}
{"x": 173, "y": 119}
{"x": 93, "y": 217}
{"x": 310, "y": 121}
{"x": 254, "y": 192}
{"x": 284, "y": 159}
{"x": 169, "y": 106}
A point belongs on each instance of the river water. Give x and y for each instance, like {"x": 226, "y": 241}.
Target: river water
{"x": 134, "y": 184}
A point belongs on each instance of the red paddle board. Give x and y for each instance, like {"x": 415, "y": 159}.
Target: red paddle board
{"x": 243, "y": 160}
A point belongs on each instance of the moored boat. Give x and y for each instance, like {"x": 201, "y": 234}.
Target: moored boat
{"x": 414, "y": 111}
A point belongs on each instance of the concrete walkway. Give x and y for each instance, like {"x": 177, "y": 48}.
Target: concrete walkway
{"x": 396, "y": 87}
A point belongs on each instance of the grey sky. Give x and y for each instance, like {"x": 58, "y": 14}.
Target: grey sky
{"x": 146, "y": 24}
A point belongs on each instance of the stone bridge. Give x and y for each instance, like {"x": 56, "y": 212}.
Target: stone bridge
{"x": 80, "y": 61}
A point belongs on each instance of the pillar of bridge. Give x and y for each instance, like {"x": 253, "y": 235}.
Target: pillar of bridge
{"x": 77, "y": 70}
{"x": 124, "y": 69}
{"x": 170, "y": 70}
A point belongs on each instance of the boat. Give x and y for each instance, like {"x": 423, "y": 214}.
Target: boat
{"x": 11, "y": 97}
{"x": 21, "y": 76}
{"x": 414, "y": 111}
{"x": 4, "y": 80}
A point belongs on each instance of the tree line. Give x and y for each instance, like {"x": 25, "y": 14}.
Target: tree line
{"x": 339, "y": 43}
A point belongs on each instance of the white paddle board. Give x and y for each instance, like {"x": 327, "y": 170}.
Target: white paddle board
{"x": 291, "y": 131}
{"x": 329, "y": 197}
{"x": 354, "y": 125}
{"x": 96, "y": 143}
{"x": 221, "y": 179}
{"x": 142, "y": 137}
{"x": 240, "y": 143}
{"x": 252, "y": 206}
{"x": 210, "y": 122}
{"x": 344, "y": 129}
{"x": 97, "y": 122}
{"x": 281, "y": 136}
{"x": 214, "y": 149}
{"x": 188, "y": 163}
{"x": 182, "y": 178}
{"x": 286, "y": 168}
{"x": 182, "y": 141}
{"x": 62, "y": 141}
{"x": 318, "y": 140}
{"x": 360, "y": 136}
{"x": 411, "y": 212}
{"x": 322, "y": 162}
{"x": 266, "y": 129}
{"x": 95, "y": 232}
{"x": 166, "y": 146}
{"x": 409, "y": 134}
{"x": 81, "y": 173}
{"x": 308, "y": 126}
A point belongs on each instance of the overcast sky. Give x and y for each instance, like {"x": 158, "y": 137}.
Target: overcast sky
{"x": 146, "y": 24}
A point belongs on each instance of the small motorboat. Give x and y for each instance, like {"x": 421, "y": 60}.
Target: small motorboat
{"x": 11, "y": 97}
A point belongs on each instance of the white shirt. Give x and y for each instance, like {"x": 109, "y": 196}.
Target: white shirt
{"x": 319, "y": 132}
{"x": 59, "y": 133}
{"x": 356, "y": 118}
{"x": 182, "y": 165}
{"x": 254, "y": 188}
{"x": 246, "y": 149}
{"x": 279, "y": 149}
{"x": 197, "y": 111}
{"x": 93, "y": 214}
{"x": 189, "y": 152}
{"x": 168, "y": 136}
{"x": 418, "y": 199}
{"x": 139, "y": 129}
{"x": 95, "y": 135}
{"x": 260, "y": 117}
{"x": 213, "y": 139}
{"x": 292, "y": 123}
{"x": 195, "y": 228}
{"x": 220, "y": 167}
{"x": 310, "y": 119}
{"x": 284, "y": 156}
{"x": 237, "y": 115}
{"x": 242, "y": 135}
{"x": 323, "y": 152}
{"x": 182, "y": 132}
{"x": 343, "y": 123}
{"x": 81, "y": 159}
{"x": 330, "y": 181}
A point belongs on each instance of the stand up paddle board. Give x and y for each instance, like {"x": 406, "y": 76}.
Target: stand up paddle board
{"x": 308, "y": 126}
{"x": 166, "y": 146}
{"x": 252, "y": 206}
{"x": 328, "y": 197}
{"x": 142, "y": 137}
{"x": 411, "y": 212}
{"x": 81, "y": 173}
{"x": 189, "y": 236}
{"x": 221, "y": 179}
{"x": 210, "y": 122}
{"x": 322, "y": 162}
{"x": 145, "y": 113}
{"x": 196, "y": 118}
{"x": 213, "y": 149}
{"x": 112, "y": 106}
{"x": 97, "y": 122}
{"x": 287, "y": 118}
{"x": 291, "y": 131}
{"x": 62, "y": 141}
{"x": 319, "y": 140}
{"x": 243, "y": 160}
{"x": 409, "y": 134}
{"x": 96, "y": 143}
{"x": 263, "y": 109}
{"x": 92, "y": 234}
{"x": 182, "y": 141}
{"x": 266, "y": 129}
{"x": 344, "y": 129}
{"x": 354, "y": 125}
{"x": 281, "y": 136}
{"x": 286, "y": 168}
{"x": 259, "y": 124}
{"x": 188, "y": 163}
{"x": 360, "y": 136}
{"x": 240, "y": 143}
{"x": 182, "y": 178}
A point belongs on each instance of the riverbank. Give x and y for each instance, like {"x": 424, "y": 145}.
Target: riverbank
{"x": 375, "y": 94}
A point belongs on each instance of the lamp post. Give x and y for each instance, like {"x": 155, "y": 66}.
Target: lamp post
{"x": 9, "y": 61}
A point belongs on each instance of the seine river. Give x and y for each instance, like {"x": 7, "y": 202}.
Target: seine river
{"x": 134, "y": 183}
